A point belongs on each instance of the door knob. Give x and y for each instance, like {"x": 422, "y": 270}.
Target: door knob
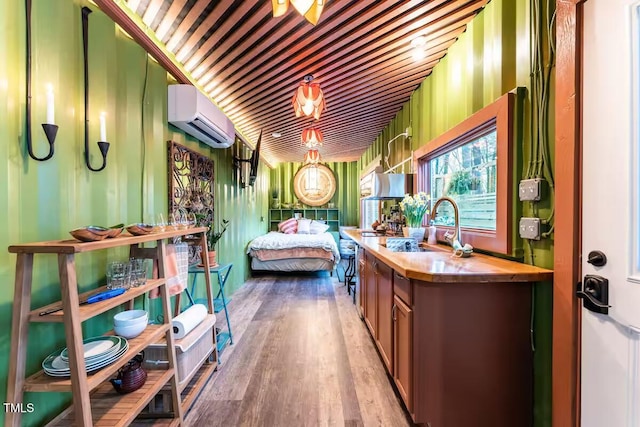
{"x": 594, "y": 290}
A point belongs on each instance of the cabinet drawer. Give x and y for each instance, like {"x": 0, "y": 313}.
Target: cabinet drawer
{"x": 402, "y": 288}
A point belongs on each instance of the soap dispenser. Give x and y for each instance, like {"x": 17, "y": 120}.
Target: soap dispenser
{"x": 432, "y": 234}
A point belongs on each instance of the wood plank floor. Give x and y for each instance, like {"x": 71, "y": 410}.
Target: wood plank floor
{"x": 301, "y": 357}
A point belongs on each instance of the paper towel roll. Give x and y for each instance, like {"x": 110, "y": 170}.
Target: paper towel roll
{"x": 186, "y": 321}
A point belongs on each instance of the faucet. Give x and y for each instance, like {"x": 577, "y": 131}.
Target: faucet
{"x": 454, "y": 237}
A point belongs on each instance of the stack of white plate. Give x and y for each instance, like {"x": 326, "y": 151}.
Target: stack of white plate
{"x": 98, "y": 353}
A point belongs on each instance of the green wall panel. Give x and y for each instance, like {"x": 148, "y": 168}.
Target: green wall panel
{"x": 347, "y": 194}
{"x": 491, "y": 58}
{"x": 43, "y": 200}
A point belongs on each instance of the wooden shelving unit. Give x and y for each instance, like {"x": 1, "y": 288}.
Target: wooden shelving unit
{"x": 95, "y": 402}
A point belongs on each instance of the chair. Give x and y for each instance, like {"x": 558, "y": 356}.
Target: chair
{"x": 347, "y": 250}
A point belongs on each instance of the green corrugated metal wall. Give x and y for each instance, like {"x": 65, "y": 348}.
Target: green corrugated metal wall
{"x": 42, "y": 201}
{"x": 491, "y": 58}
{"x": 347, "y": 192}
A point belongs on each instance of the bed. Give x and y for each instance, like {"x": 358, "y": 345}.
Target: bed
{"x": 277, "y": 251}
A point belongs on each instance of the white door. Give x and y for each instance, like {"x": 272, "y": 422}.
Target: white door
{"x": 610, "y": 372}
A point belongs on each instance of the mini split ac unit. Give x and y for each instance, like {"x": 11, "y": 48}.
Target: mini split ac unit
{"x": 190, "y": 110}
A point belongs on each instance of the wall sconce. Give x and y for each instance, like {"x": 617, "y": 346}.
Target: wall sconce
{"x": 103, "y": 144}
{"x": 49, "y": 127}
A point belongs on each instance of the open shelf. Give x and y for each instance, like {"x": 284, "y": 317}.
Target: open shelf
{"x": 43, "y": 382}
{"x": 72, "y": 246}
{"x": 87, "y": 311}
{"x": 114, "y": 410}
{"x": 330, "y": 216}
{"x": 156, "y": 422}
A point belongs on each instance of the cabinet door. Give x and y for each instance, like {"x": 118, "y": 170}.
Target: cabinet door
{"x": 403, "y": 351}
{"x": 370, "y": 273}
{"x": 385, "y": 318}
{"x": 362, "y": 283}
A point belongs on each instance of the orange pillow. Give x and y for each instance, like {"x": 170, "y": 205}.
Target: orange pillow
{"x": 290, "y": 226}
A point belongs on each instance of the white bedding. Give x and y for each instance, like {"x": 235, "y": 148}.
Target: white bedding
{"x": 276, "y": 240}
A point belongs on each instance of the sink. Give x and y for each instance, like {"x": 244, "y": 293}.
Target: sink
{"x": 410, "y": 248}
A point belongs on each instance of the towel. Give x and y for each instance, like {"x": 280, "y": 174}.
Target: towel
{"x": 175, "y": 284}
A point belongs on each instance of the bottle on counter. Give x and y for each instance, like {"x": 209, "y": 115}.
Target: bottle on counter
{"x": 432, "y": 234}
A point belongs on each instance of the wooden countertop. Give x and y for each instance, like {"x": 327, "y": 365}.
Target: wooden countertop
{"x": 438, "y": 264}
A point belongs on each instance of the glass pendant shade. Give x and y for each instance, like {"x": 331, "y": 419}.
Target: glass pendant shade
{"x": 312, "y": 137}
{"x": 310, "y": 9}
{"x": 308, "y": 100}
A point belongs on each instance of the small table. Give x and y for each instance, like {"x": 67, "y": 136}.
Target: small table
{"x": 219, "y": 302}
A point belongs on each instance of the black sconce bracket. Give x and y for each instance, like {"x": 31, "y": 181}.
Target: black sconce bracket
{"x": 102, "y": 145}
{"x": 50, "y": 130}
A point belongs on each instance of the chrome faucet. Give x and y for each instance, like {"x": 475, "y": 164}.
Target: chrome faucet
{"x": 454, "y": 237}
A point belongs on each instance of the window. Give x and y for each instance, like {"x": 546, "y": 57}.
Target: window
{"x": 467, "y": 174}
{"x": 472, "y": 164}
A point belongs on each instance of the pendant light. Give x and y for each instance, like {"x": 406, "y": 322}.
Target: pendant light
{"x": 308, "y": 99}
{"x": 310, "y": 9}
{"x": 311, "y": 157}
{"x": 312, "y": 137}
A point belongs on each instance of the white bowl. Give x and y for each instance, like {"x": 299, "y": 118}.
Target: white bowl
{"x": 131, "y": 317}
{"x": 130, "y": 331}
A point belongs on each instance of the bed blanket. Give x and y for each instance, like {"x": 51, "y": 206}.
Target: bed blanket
{"x": 278, "y": 241}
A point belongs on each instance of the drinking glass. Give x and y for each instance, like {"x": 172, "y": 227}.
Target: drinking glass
{"x": 117, "y": 275}
{"x": 161, "y": 222}
{"x": 138, "y": 272}
{"x": 191, "y": 219}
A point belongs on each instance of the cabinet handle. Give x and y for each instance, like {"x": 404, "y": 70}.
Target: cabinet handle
{"x": 393, "y": 312}
{"x": 399, "y": 276}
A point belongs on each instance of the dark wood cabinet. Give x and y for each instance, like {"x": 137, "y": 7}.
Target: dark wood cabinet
{"x": 470, "y": 339}
{"x": 403, "y": 350}
{"x": 371, "y": 291}
{"x": 362, "y": 283}
{"x": 384, "y": 339}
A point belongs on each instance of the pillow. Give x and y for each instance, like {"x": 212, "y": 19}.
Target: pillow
{"x": 289, "y": 226}
{"x": 318, "y": 227}
{"x": 304, "y": 226}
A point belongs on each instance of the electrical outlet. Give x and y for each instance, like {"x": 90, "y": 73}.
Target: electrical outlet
{"x": 530, "y": 228}
{"x": 530, "y": 190}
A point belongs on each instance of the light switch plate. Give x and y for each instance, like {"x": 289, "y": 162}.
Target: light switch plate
{"x": 530, "y": 190}
{"x": 530, "y": 228}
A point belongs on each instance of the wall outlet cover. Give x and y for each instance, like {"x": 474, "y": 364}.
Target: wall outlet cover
{"x": 530, "y": 228}
{"x": 530, "y": 190}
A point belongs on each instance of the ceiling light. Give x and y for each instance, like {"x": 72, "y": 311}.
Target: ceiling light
{"x": 276, "y": 134}
{"x": 310, "y": 9}
{"x": 311, "y": 157}
{"x": 308, "y": 99}
{"x": 417, "y": 54}
{"x": 312, "y": 137}
{"x": 418, "y": 45}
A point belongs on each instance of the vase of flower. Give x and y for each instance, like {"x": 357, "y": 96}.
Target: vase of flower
{"x": 414, "y": 232}
{"x": 414, "y": 208}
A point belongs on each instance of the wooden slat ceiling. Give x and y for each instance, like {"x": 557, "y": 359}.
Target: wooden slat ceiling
{"x": 360, "y": 52}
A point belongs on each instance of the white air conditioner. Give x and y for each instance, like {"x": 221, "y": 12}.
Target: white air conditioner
{"x": 190, "y": 110}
